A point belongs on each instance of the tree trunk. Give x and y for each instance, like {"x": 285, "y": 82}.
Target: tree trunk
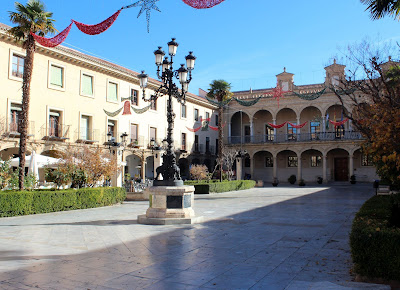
{"x": 24, "y": 118}
{"x": 220, "y": 137}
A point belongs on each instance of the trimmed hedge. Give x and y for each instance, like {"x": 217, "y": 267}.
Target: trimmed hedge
{"x": 374, "y": 242}
{"x": 203, "y": 187}
{"x": 14, "y": 203}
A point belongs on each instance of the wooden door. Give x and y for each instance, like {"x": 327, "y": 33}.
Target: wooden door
{"x": 341, "y": 169}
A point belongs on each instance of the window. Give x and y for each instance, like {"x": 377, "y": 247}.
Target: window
{"x": 339, "y": 132}
{"x": 366, "y": 160}
{"x": 134, "y": 97}
{"x": 292, "y": 161}
{"x": 316, "y": 161}
{"x": 269, "y": 133}
{"x": 134, "y": 133}
{"x": 112, "y": 128}
{"x": 15, "y": 116}
{"x": 196, "y": 114}
{"x": 112, "y": 92}
{"x": 153, "y": 133}
{"x": 335, "y": 80}
{"x": 56, "y": 76}
{"x": 54, "y": 123}
{"x": 216, "y": 120}
{"x": 196, "y": 143}
{"x": 314, "y": 129}
{"x": 269, "y": 161}
{"x": 154, "y": 105}
{"x": 17, "y": 69}
{"x": 87, "y": 85}
{"x": 285, "y": 86}
{"x": 183, "y": 111}
{"x": 207, "y": 144}
{"x": 247, "y": 161}
{"x": 85, "y": 128}
{"x": 183, "y": 142}
{"x": 207, "y": 116}
{"x": 291, "y": 131}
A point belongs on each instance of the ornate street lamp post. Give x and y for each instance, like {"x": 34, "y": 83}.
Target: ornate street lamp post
{"x": 166, "y": 73}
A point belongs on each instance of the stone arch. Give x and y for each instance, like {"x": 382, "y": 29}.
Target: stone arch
{"x": 338, "y": 168}
{"x": 311, "y": 164}
{"x": 284, "y": 170}
{"x": 134, "y": 166}
{"x": 239, "y": 126}
{"x": 260, "y": 128}
{"x": 313, "y": 116}
{"x": 8, "y": 152}
{"x": 52, "y": 153}
{"x": 284, "y": 115}
{"x": 263, "y": 165}
{"x": 150, "y": 167}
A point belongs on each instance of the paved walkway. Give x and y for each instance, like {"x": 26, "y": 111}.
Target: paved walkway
{"x": 263, "y": 238}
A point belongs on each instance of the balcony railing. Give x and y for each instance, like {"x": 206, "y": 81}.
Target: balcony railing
{"x": 86, "y": 136}
{"x": 12, "y": 130}
{"x": 56, "y": 132}
{"x": 302, "y": 137}
{"x": 135, "y": 141}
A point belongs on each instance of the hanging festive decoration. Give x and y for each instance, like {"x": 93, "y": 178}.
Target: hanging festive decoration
{"x": 310, "y": 96}
{"x": 126, "y": 99}
{"x": 147, "y": 5}
{"x": 298, "y": 126}
{"x": 113, "y": 114}
{"x": 277, "y": 126}
{"x": 127, "y": 108}
{"x": 54, "y": 41}
{"x": 142, "y": 110}
{"x": 278, "y": 93}
{"x": 204, "y": 124}
{"x": 97, "y": 28}
{"x": 341, "y": 92}
{"x": 215, "y": 128}
{"x": 218, "y": 104}
{"x": 340, "y": 123}
{"x": 247, "y": 103}
{"x": 194, "y": 130}
{"x": 202, "y": 4}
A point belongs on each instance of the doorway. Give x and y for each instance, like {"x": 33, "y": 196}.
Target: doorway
{"x": 341, "y": 169}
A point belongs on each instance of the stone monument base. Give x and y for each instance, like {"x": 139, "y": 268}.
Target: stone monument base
{"x": 170, "y": 205}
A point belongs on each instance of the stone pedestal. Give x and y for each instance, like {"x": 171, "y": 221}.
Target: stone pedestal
{"x": 170, "y": 205}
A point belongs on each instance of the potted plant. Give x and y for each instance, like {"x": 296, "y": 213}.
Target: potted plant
{"x": 319, "y": 180}
{"x": 275, "y": 182}
{"x": 292, "y": 179}
{"x": 353, "y": 179}
{"x": 301, "y": 182}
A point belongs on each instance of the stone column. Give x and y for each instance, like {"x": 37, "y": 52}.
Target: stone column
{"x": 251, "y": 131}
{"x": 252, "y": 167}
{"x": 299, "y": 176}
{"x": 143, "y": 169}
{"x": 275, "y": 167}
{"x": 323, "y": 124}
{"x": 298, "y": 130}
{"x": 324, "y": 168}
{"x": 274, "y": 122}
{"x": 239, "y": 168}
{"x": 351, "y": 165}
{"x": 230, "y": 131}
{"x": 350, "y": 125}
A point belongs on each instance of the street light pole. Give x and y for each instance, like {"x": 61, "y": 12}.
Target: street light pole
{"x": 169, "y": 169}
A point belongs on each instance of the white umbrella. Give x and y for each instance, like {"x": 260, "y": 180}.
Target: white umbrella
{"x": 41, "y": 161}
{"x": 33, "y": 166}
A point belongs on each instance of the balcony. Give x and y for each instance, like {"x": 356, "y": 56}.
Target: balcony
{"x": 135, "y": 141}
{"x": 290, "y": 138}
{"x": 12, "y": 130}
{"x": 57, "y": 132}
{"x": 86, "y": 136}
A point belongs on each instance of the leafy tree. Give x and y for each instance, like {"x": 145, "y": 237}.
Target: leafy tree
{"x": 199, "y": 172}
{"x": 373, "y": 89}
{"x": 381, "y": 8}
{"x": 220, "y": 90}
{"x": 5, "y": 174}
{"x": 30, "y": 18}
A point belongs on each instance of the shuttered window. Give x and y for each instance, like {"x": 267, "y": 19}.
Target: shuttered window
{"x": 87, "y": 85}
{"x": 112, "y": 94}
{"x": 57, "y": 76}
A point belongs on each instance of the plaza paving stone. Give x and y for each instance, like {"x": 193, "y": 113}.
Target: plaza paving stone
{"x": 263, "y": 238}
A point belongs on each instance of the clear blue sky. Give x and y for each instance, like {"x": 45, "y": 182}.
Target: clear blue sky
{"x": 245, "y": 42}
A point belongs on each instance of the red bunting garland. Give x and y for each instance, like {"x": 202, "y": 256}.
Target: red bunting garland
{"x": 202, "y": 4}
{"x": 297, "y": 126}
{"x": 215, "y": 128}
{"x": 97, "y": 28}
{"x": 194, "y": 130}
{"x": 337, "y": 124}
{"x": 277, "y": 126}
{"x": 54, "y": 41}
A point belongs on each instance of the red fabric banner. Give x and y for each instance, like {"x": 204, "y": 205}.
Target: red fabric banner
{"x": 54, "y": 41}
{"x": 194, "y": 130}
{"x": 277, "y": 126}
{"x": 97, "y": 28}
{"x": 127, "y": 108}
{"x": 336, "y": 124}
{"x": 298, "y": 126}
{"x": 215, "y": 128}
{"x": 202, "y": 4}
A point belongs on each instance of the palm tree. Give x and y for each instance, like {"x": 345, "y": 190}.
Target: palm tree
{"x": 381, "y": 8}
{"x": 220, "y": 90}
{"x": 30, "y": 18}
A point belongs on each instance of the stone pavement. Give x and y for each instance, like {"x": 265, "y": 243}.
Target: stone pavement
{"x": 263, "y": 238}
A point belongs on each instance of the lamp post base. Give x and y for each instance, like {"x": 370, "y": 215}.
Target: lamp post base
{"x": 170, "y": 205}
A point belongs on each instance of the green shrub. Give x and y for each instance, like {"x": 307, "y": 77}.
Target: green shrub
{"x": 374, "y": 241}
{"x": 13, "y": 203}
{"x": 203, "y": 187}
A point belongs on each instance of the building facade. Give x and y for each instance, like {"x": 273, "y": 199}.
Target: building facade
{"x": 275, "y": 145}
{"x": 80, "y": 100}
